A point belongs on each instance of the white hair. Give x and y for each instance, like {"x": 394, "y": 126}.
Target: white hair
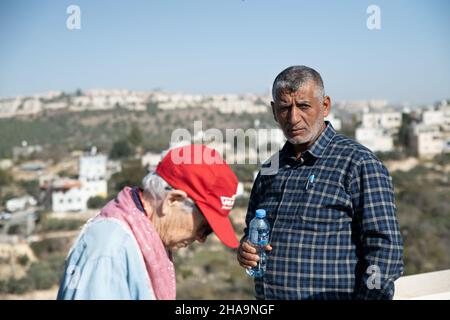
{"x": 156, "y": 190}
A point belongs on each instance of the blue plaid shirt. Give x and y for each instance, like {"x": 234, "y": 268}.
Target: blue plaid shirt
{"x": 336, "y": 237}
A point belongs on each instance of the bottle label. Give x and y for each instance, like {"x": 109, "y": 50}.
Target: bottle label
{"x": 263, "y": 238}
{"x": 260, "y": 239}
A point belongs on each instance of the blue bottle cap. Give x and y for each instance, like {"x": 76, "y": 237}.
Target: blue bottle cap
{"x": 260, "y": 213}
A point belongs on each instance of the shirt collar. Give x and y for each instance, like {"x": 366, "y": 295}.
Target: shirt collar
{"x": 135, "y": 191}
{"x": 318, "y": 147}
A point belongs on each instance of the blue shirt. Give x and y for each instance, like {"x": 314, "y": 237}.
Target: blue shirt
{"x": 336, "y": 236}
{"x": 105, "y": 263}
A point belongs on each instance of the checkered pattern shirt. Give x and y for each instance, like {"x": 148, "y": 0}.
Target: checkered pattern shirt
{"x": 334, "y": 238}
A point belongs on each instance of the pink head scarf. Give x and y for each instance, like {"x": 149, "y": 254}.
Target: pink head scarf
{"x": 157, "y": 260}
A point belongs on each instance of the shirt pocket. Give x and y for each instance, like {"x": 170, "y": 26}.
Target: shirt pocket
{"x": 326, "y": 207}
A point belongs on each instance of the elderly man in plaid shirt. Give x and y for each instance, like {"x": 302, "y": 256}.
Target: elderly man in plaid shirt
{"x": 330, "y": 204}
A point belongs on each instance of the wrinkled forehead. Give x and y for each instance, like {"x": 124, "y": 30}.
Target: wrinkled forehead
{"x": 305, "y": 91}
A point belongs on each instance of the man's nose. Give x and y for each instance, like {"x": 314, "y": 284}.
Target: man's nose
{"x": 201, "y": 238}
{"x": 294, "y": 115}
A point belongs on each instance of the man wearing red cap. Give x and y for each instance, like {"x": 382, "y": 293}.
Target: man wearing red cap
{"x": 125, "y": 251}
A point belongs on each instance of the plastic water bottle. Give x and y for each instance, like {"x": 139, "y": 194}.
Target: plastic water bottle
{"x": 259, "y": 230}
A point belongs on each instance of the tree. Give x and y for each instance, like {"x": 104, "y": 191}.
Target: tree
{"x": 244, "y": 172}
{"x": 96, "y": 202}
{"x": 135, "y": 136}
{"x": 5, "y": 178}
{"x": 402, "y": 138}
{"x": 131, "y": 175}
{"x": 31, "y": 187}
{"x": 120, "y": 149}
{"x": 152, "y": 108}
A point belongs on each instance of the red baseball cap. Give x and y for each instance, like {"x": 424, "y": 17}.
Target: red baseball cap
{"x": 208, "y": 180}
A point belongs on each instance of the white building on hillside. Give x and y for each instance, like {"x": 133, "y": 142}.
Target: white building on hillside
{"x": 68, "y": 196}
{"x": 72, "y": 195}
{"x": 438, "y": 116}
{"x": 376, "y": 139}
{"x": 335, "y": 122}
{"x": 391, "y": 120}
{"x": 17, "y": 204}
{"x": 377, "y": 130}
{"x": 426, "y": 140}
{"x": 431, "y": 136}
{"x": 93, "y": 174}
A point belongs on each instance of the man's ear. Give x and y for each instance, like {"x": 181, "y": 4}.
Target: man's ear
{"x": 272, "y": 104}
{"x": 172, "y": 198}
{"x": 326, "y": 106}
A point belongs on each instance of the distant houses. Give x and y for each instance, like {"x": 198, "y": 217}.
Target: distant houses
{"x": 129, "y": 100}
{"x": 430, "y": 135}
{"x": 25, "y": 150}
{"x": 377, "y": 130}
{"x": 72, "y": 195}
{"x": 21, "y": 203}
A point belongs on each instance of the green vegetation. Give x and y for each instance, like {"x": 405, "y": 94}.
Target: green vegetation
{"x": 152, "y": 108}
{"x": 402, "y": 136}
{"x": 244, "y": 172}
{"x": 131, "y": 175}
{"x": 423, "y": 204}
{"x": 41, "y": 275}
{"x": 391, "y": 155}
{"x": 213, "y": 274}
{"x": 23, "y": 260}
{"x": 31, "y": 187}
{"x": 120, "y": 149}
{"x": 96, "y": 202}
{"x": 241, "y": 202}
{"x": 208, "y": 271}
{"x": 135, "y": 137}
{"x": 5, "y": 178}
{"x": 46, "y": 248}
{"x": 66, "y": 131}
{"x": 60, "y": 224}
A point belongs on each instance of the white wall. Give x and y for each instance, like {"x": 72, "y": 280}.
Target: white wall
{"x": 93, "y": 167}
{"x": 95, "y": 188}
{"x": 74, "y": 199}
{"x": 385, "y": 120}
{"x": 375, "y": 139}
{"x": 424, "y": 286}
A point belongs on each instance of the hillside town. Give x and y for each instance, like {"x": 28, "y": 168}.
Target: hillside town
{"x": 75, "y": 186}
{"x": 425, "y": 132}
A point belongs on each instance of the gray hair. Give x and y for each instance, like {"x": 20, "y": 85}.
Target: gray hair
{"x": 156, "y": 189}
{"x": 294, "y": 77}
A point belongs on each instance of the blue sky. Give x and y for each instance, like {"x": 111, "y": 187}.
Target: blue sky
{"x": 227, "y": 46}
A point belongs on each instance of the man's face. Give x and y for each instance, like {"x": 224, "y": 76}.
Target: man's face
{"x": 301, "y": 114}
